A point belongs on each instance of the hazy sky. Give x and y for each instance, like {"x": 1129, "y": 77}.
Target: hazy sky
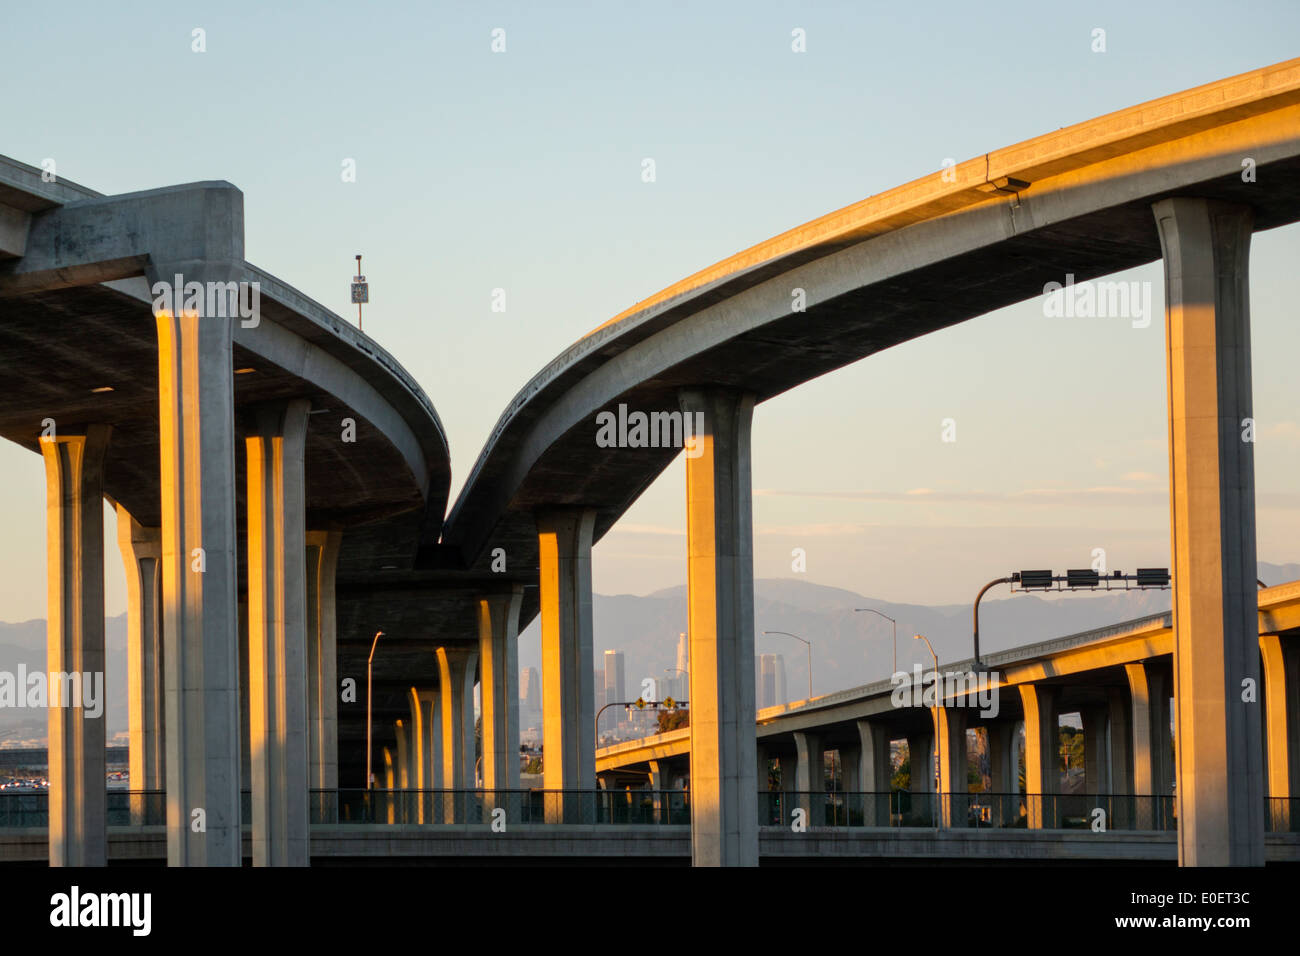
{"x": 522, "y": 171}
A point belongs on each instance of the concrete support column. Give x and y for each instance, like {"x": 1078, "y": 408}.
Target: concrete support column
{"x": 417, "y": 753}
{"x": 569, "y": 720}
{"x": 322, "y": 661}
{"x": 1281, "y": 724}
{"x": 390, "y": 784}
{"x": 456, "y": 667}
{"x": 74, "y": 554}
{"x": 498, "y": 649}
{"x": 1042, "y": 753}
{"x": 788, "y": 762}
{"x": 277, "y": 633}
{"x": 720, "y": 580}
{"x": 402, "y": 755}
{"x": 200, "y": 620}
{"x": 810, "y": 776}
{"x": 1149, "y": 721}
{"x": 1096, "y": 754}
{"x": 874, "y": 773}
{"x": 1004, "y": 770}
{"x": 1220, "y": 789}
{"x": 950, "y": 733}
{"x": 141, "y": 550}
{"x": 763, "y": 768}
{"x": 1120, "y": 736}
{"x": 920, "y": 754}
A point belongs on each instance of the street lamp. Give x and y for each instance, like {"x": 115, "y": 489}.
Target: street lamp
{"x": 895, "y": 630}
{"x": 809, "y": 643}
{"x": 369, "y": 683}
{"x": 938, "y": 700}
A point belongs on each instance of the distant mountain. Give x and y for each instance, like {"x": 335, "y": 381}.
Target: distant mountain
{"x": 849, "y": 649}
{"x": 24, "y": 643}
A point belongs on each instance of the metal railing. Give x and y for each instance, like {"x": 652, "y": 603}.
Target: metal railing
{"x": 29, "y": 809}
{"x": 900, "y": 808}
{"x": 424, "y": 807}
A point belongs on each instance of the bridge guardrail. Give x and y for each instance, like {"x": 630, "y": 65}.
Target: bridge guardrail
{"x": 29, "y": 809}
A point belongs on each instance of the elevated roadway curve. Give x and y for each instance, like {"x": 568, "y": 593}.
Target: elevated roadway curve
{"x": 946, "y": 248}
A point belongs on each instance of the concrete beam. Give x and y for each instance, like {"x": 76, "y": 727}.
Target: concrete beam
{"x": 277, "y": 633}
{"x": 1220, "y": 792}
{"x": 74, "y": 510}
{"x": 720, "y": 581}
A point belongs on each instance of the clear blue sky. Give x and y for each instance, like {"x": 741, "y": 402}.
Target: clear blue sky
{"x": 521, "y": 171}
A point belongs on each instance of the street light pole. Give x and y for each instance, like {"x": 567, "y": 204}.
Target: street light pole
{"x": 369, "y": 710}
{"x": 894, "y": 625}
{"x": 809, "y": 643}
{"x": 938, "y": 701}
{"x": 978, "y": 598}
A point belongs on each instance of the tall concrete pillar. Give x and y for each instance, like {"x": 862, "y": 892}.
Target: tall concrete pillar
{"x": 200, "y": 620}
{"x": 810, "y": 776}
{"x": 1282, "y": 725}
{"x": 74, "y": 554}
{"x": 720, "y": 581}
{"x": 1042, "y": 753}
{"x": 141, "y": 550}
{"x": 498, "y": 650}
{"x": 763, "y": 769}
{"x": 322, "y": 661}
{"x": 1220, "y": 789}
{"x": 950, "y": 734}
{"x": 456, "y": 667}
{"x": 569, "y": 720}
{"x": 277, "y": 633}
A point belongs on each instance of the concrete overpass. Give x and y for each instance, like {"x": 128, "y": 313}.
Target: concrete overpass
{"x": 1190, "y": 176}
{"x": 248, "y": 457}
{"x": 1118, "y": 679}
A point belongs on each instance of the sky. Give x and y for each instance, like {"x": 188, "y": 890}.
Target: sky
{"x": 521, "y": 170}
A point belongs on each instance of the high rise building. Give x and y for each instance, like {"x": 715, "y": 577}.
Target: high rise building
{"x": 771, "y": 680}
{"x": 530, "y": 689}
{"x": 614, "y": 689}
